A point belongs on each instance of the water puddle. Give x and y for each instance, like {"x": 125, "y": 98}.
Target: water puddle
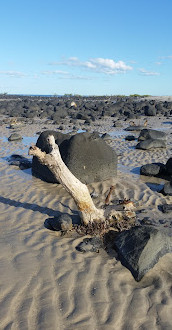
{"x": 119, "y": 133}
{"x": 154, "y": 183}
{"x": 26, "y": 140}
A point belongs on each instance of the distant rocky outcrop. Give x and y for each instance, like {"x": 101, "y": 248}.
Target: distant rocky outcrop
{"x": 56, "y": 108}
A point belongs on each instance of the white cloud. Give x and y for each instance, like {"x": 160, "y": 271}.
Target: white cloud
{"x": 109, "y": 66}
{"x": 148, "y": 73}
{"x": 13, "y": 74}
{"x": 98, "y": 65}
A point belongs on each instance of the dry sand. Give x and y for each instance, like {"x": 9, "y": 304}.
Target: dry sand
{"x": 46, "y": 283}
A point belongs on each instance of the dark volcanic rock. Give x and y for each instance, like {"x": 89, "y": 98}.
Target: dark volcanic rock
{"x": 150, "y": 169}
{"x": 150, "y": 110}
{"x": 14, "y": 137}
{"x": 93, "y": 244}
{"x": 167, "y": 189}
{"x": 169, "y": 166}
{"x": 130, "y": 138}
{"x": 65, "y": 222}
{"x": 151, "y": 144}
{"x": 140, "y": 248}
{"x": 134, "y": 128}
{"x": 151, "y": 134}
{"x": 86, "y": 155}
{"x": 106, "y": 137}
{"x": 61, "y": 223}
{"x": 20, "y": 161}
{"x": 167, "y": 208}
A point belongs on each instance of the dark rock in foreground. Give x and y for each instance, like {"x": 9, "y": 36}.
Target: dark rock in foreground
{"x": 86, "y": 155}
{"x": 140, "y": 248}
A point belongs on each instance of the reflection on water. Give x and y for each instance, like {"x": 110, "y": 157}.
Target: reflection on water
{"x": 118, "y": 133}
{"x": 16, "y": 147}
{"x": 81, "y": 130}
{"x": 154, "y": 183}
{"x": 21, "y": 147}
{"x": 25, "y": 140}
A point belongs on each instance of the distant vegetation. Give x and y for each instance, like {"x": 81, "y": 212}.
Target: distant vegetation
{"x": 3, "y": 94}
{"x": 138, "y": 95}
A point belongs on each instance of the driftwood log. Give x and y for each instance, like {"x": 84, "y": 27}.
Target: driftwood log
{"x": 79, "y": 191}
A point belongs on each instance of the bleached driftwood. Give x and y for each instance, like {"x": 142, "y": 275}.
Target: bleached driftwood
{"x": 79, "y": 191}
{"x": 76, "y": 188}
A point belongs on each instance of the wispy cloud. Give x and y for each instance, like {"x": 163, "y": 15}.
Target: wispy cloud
{"x": 65, "y": 75}
{"x": 54, "y": 72}
{"x": 16, "y": 74}
{"x": 148, "y": 73}
{"x": 98, "y": 65}
{"x": 166, "y": 57}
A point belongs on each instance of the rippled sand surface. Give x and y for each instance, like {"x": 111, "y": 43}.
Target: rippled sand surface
{"x": 46, "y": 283}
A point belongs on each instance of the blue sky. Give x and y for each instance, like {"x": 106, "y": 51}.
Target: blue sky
{"x": 86, "y": 47}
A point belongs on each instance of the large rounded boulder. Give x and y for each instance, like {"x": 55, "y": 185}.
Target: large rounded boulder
{"x": 86, "y": 155}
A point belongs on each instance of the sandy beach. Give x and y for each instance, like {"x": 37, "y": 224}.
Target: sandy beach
{"x": 46, "y": 284}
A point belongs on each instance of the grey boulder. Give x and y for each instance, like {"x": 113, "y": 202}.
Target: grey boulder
{"x": 93, "y": 244}
{"x": 86, "y": 155}
{"x": 151, "y": 169}
{"x": 167, "y": 208}
{"x": 14, "y": 137}
{"x": 169, "y": 166}
{"x": 140, "y": 248}
{"x": 134, "y": 128}
{"x": 167, "y": 189}
{"x": 151, "y": 144}
{"x": 151, "y": 134}
{"x": 150, "y": 110}
{"x": 61, "y": 223}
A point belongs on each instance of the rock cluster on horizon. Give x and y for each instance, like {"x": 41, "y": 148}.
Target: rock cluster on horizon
{"x": 77, "y": 107}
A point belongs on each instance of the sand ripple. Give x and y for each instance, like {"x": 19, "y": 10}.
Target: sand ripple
{"x": 47, "y": 284}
